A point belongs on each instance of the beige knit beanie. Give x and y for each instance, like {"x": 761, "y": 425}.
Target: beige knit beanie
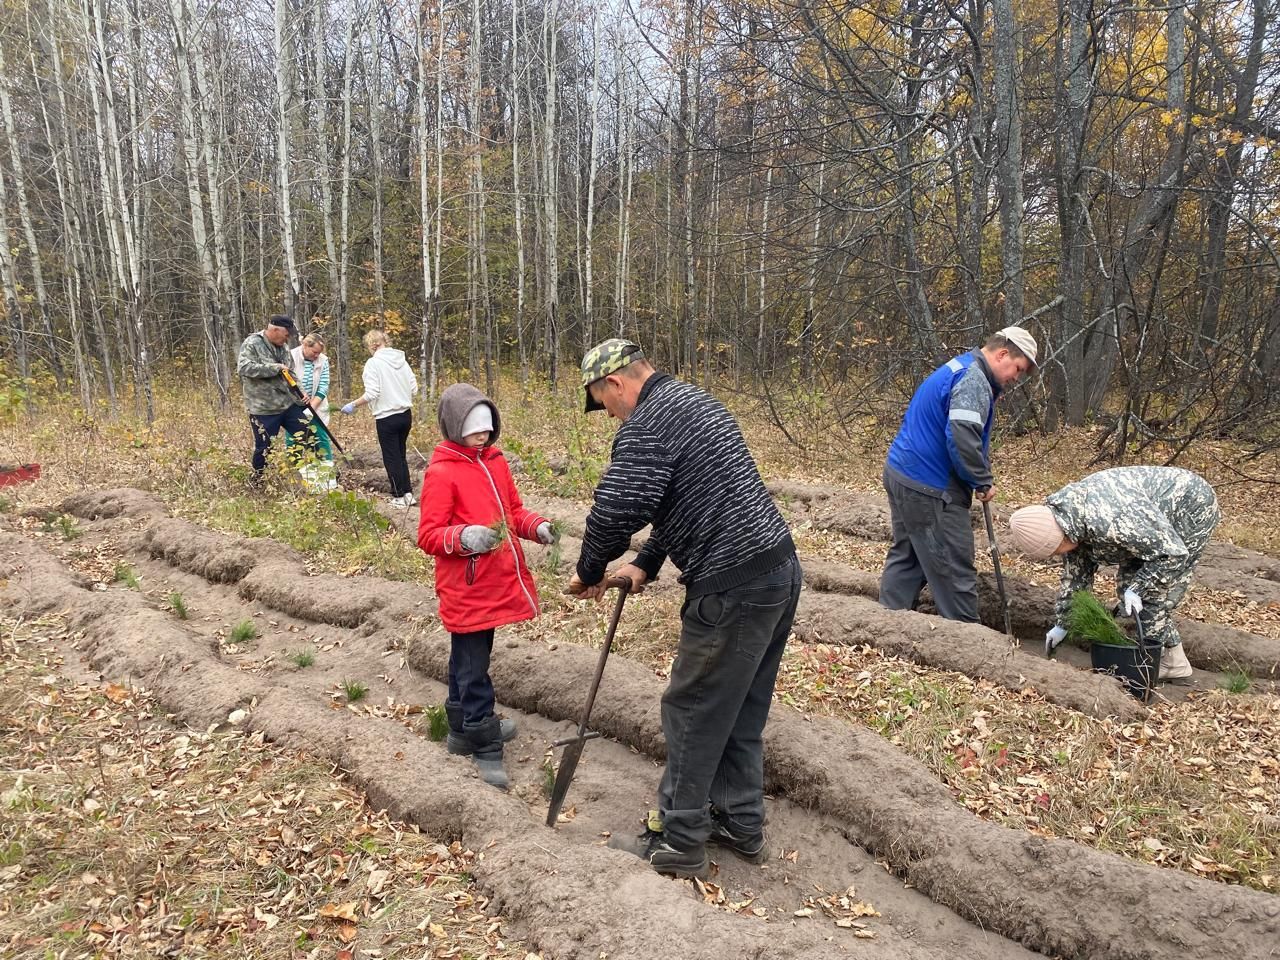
{"x": 1035, "y": 531}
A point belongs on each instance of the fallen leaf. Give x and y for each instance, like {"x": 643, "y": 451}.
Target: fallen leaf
{"x": 336, "y": 911}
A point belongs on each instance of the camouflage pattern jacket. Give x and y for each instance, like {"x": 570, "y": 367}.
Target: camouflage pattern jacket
{"x": 261, "y": 385}
{"x": 1154, "y": 522}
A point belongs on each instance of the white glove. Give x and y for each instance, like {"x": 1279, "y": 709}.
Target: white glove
{"x": 1052, "y": 639}
{"x": 478, "y": 539}
{"x": 1132, "y": 602}
{"x": 546, "y": 534}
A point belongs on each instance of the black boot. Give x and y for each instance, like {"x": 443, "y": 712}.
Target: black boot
{"x": 485, "y": 740}
{"x": 457, "y": 743}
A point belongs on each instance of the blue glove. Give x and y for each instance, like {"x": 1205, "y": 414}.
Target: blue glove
{"x": 349, "y": 408}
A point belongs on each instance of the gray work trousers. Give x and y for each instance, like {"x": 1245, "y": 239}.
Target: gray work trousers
{"x": 715, "y": 707}
{"x": 932, "y": 543}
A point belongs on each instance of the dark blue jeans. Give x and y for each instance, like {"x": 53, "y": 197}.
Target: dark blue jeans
{"x": 469, "y": 683}
{"x": 265, "y": 426}
{"x": 715, "y": 707}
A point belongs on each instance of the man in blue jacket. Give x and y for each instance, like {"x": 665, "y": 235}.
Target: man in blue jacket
{"x": 940, "y": 458}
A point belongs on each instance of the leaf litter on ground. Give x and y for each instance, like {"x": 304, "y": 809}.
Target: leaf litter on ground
{"x": 125, "y": 835}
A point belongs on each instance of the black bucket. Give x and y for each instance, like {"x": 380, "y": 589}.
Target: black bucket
{"x": 1136, "y": 666}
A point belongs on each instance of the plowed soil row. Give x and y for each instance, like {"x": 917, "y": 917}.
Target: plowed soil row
{"x": 1209, "y": 646}
{"x": 1226, "y": 567}
{"x": 842, "y": 794}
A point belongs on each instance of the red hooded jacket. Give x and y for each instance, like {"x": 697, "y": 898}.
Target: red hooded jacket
{"x": 464, "y": 486}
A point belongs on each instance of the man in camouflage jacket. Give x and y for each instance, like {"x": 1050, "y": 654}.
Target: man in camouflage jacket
{"x": 264, "y": 356}
{"x": 1153, "y": 522}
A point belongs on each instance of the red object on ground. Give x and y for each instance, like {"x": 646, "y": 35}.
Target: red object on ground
{"x": 11, "y": 476}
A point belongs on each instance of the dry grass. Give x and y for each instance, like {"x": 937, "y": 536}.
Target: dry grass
{"x": 125, "y": 836}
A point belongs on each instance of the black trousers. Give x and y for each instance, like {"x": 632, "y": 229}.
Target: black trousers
{"x": 933, "y": 543}
{"x": 393, "y": 439}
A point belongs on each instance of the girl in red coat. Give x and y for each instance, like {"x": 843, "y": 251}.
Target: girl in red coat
{"x": 470, "y": 518}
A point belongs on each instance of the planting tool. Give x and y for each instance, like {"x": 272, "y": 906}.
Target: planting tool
{"x": 573, "y": 745}
{"x": 298, "y": 395}
{"x": 995, "y": 562}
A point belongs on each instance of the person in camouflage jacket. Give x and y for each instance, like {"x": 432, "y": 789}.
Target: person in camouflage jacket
{"x": 1153, "y": 522}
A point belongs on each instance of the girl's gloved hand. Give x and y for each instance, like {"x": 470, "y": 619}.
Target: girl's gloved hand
{"x": 478, "y": 539}
{"x": 547, "y": 534}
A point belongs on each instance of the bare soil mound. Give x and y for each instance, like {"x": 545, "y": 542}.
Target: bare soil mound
{"x": 838, "y": 790}
{"x": 576, "y": 899}
{"x": 113, "y": 502}
{"x": 968, "y": 648}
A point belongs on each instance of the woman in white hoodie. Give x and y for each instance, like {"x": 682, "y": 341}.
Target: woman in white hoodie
{"x": 389, "y": 389}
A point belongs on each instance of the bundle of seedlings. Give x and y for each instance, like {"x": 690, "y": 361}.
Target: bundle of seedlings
{"x": 1088, "y": 622}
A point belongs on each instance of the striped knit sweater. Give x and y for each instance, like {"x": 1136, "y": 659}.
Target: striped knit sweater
{"x": 680, "y": 463}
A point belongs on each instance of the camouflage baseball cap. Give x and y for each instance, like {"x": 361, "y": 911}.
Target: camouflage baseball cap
{"x": 604, "y": 359}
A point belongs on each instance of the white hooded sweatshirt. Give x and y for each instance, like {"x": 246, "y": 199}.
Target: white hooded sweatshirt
{"x": 389, "y": 383}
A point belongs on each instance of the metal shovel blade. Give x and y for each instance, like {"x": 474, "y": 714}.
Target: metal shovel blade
{"x": 564, "y": 776}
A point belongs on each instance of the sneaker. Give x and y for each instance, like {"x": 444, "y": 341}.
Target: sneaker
{"x": 664, "y": 858}
{"x": 1174, "y": 664}
{"x": 399, "y": 502}
{"x": 748, "y": 846}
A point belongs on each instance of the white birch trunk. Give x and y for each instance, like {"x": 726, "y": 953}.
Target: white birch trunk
{"x": 588, "y": 318}
{"x": 284, "y": 52}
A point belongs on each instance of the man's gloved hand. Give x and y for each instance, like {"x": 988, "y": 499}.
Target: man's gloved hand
{"x": 478, "y": 539}
{"x": 547, "y": 534}
{"x": 1052, "y": 639}
{"x": 349, "y": 408}
{"x": 1131, "y": 602}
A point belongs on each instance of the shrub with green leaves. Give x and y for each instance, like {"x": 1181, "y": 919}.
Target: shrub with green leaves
{"x": 1088, "y": 623}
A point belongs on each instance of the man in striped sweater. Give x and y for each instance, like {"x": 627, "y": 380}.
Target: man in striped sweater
{"x": 680, "y": 464}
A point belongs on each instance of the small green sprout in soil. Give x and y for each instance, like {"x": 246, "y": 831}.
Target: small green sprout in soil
{"x": 245, "y": 631}
{"x": 127, "y": 575}
{"x": 437, "y": 723}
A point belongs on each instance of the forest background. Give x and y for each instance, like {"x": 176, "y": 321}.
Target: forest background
{"x": 810, "y": 202}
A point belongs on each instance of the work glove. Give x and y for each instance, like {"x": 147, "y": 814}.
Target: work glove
{"x": 478, "y": 539}
{"x": 1131, "y": 602}
{"x": 546, "y": 534}
{"x": 1052, "y": 639}
{"x": 349, "y": 408}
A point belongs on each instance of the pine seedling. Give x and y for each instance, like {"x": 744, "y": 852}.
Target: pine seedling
{"x": 302, "y": 658}
{"x": 501, "y": 529}
{"x": 548, "y": 777}
{"x": 179, "y": 606}
{"x": 437, "y": 723}
{"x": 1237, "y": 681}
{"x": 244, "y": 632}
{"x": 1088, "y": 623}
{"x": 127, "y": 575}
{"x": 67, "y": 527}
{"x": 353, "y": 690}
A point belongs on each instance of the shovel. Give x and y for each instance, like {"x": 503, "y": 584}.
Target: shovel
{"x": 573, "y": 745}
{"x": 995, "y": 562}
